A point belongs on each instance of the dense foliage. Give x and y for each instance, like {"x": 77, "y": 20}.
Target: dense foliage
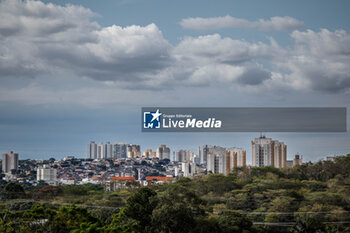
{"x": 307, "y": 198}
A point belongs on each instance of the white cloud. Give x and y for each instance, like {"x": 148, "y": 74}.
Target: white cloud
{"x": 212, "y": 59}
{"x": 38, "y": 39}
{"x": 319, "y": 61}
{"x": 273, "y": 24}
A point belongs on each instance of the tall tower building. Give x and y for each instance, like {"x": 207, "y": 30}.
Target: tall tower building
{"x": 163, "y": 152}
{"x": 188, "y": 169}
{"x": 280, "y": 155}
{"x": 268, "y": 152}
{"x": 216, "y": 160}
{"x": 92, "y": 150}
{"x": 100, "y": 151}
{"x": 203, "y": 153}
{"x": 133, "y": 151}
{"x": 238, "y": 157}
{"x": 184, "y": 156}
{"x": 9, "y": 162}
{"x": 108, "y": 150}
{"x": 149, "y": 153}
{"x": 119, "y": 150}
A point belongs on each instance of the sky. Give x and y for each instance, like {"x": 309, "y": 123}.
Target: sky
{"x": 72, "y": 72}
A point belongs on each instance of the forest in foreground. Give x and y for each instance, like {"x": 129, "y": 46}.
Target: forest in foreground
{"x": 306, "y": 198}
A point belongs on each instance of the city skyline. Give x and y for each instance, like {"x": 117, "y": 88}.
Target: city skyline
{"x": 76, "y": 71}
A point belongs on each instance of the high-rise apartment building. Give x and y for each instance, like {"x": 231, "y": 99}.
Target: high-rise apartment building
{"x": 9, "y": 162}
{"x": 47, "y": 174}
{"x": 119, "y": 150}
{"x": 149, "y": 153}
{"x": 108, "y": 150}
{"x": 101, "y": 151}
{"x": 238, "y": 157}
{"x": 268, "y": 152}
{"x": 133, "y": 151}
{"x": 92, "y": 150}
{"x": 216, "y": 160}
{"x": 184, "y": 156}
{"x": 163, "y": 152}
{"x": 188, "y": 169}
{"x": 223, "y": 160}
{"x": 203, "y": 153}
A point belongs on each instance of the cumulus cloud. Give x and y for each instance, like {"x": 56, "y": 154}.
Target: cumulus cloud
{"x": 212, "y": 59}
{"x": 41, "y": 38}
{"x": 273, "y": 24}
{"x": 320, "y": 61}
{"x": 38, "y": 39}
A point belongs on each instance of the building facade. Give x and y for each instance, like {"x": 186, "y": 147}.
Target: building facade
{"x": 237, "y": 158}
{"x": 108, "y": 150}
{"x": 188, "y": 168}
{"x": 203, "y": 153}
{"x": 133, "y": 151}
{"x": 297, "y": 161}
{"x": 216, "y": 160}
{"x": 101, "y": 150}
{"x": 47, "y": 174}
{"x": 184, "y": 156}
{"x": 163, "y": 152}
{"x": 268, "y": 152}
{"x": 119, "y": 150}
{"x": 92, "y": 150}
{"x": 149, "y": 153}
{"x": 9, "y": 162}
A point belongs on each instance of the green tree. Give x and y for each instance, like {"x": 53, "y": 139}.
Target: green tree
{"x": 177, "y": 210}
{"x": 308, "y": 224}
{"x": 73, "y": 218}
{"x": 13, "y": 191}
{"x": 140, "y": 207}
{"x": 121, "y": 223}
{"x": 234, "y": 222}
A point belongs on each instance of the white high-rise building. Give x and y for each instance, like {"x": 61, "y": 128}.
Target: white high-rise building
{"x": 92, "y": 150}
{"x": 9, "y": 162}
{"x": 47, "y": 174}
{"x": 108, "y": 150}
{"x": 216, "y": 160}
{"x": 100, "y": 151}
{"x": 203, "y": 153}
{"x": 237, "y": 157}
{"x": 184, "y": 156}
{"x": 222, "y": 160}
{"x": 163, "y": 152}
{"x": 280, "y": 154}
{"x": 188, "y": 169}
{"x": 268, "y": 152}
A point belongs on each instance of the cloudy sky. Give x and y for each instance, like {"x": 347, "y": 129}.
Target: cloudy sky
{"x": 75, "y": 71}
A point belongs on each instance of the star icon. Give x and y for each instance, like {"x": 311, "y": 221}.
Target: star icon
{"x": 156, "y": 115}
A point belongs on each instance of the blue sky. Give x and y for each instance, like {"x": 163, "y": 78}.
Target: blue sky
{"x": 79, "y": 72}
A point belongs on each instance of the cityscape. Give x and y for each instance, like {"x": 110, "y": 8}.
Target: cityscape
{"x": 186, "y": 116}
{"x": 114, "y": 165}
